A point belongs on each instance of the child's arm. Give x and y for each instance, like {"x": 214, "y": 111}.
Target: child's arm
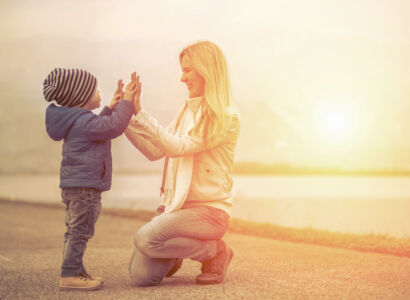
{"x": 106, "y": 111}
{"x": 110, "y": 126}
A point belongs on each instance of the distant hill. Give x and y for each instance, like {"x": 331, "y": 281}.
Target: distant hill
{"x": 267, "y": 137}
{"x": 254, "y": 168}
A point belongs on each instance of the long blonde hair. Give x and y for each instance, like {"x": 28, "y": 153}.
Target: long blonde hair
{"x": 208, "y": 60}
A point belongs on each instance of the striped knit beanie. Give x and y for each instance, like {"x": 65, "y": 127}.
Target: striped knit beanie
{"x": 69, "y": 87}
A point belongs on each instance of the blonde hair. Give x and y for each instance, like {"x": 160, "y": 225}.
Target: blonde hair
{"x": 208, "y": 61}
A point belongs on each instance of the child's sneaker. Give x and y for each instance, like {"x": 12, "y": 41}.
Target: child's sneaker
{"x": 79, "y": 283}
{"x": 89, "y": 276}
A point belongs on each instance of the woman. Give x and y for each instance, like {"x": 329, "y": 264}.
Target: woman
{"x": 197, "y": 183}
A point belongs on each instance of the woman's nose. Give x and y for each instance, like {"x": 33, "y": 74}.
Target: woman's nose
{"x": 183, "y": 78}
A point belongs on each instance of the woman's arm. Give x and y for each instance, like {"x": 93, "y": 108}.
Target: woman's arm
{"x": 142, "y": 142}
{"x": 164, "y": 139}
{"x": 175, "y": 145}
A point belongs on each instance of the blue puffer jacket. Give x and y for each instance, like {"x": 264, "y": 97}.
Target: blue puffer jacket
{"x": 87, "y": 142}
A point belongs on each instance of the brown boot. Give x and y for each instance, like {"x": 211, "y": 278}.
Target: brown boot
{"x": 78, "y": 283}
{"x": 214, "y": 270}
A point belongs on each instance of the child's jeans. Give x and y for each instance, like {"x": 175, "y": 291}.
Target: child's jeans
{"x": 83, "y": 206}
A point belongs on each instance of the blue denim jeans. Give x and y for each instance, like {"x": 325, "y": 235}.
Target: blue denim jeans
{"x": 186, "y": 233}
{"x": 83, "y": 206}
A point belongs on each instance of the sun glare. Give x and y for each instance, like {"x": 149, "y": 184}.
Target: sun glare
{"x": 335, "y": 122}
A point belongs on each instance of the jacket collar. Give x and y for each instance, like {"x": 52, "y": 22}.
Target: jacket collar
{"x": 194, "y": 103}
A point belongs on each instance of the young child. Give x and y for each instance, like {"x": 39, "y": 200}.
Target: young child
{"x": 86, "y": 164}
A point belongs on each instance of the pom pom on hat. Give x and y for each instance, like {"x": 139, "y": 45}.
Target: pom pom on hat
{"x": 69, "y": 87}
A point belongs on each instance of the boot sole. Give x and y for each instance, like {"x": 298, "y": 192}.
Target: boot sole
{"x": 72, "y": 288}
{"x": 217, "y": 280}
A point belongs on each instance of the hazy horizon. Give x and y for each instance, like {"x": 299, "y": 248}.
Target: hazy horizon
{"x": 318, "y": 84}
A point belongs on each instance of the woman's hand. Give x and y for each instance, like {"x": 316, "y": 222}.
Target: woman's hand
{"x": 136, "y": 100}
{"x": 133, "y": 92}
{"x": 118, "y": 95}
{"x": 131, "y": 89}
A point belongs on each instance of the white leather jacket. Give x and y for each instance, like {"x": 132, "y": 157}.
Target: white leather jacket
{"x": 204, "y": 174}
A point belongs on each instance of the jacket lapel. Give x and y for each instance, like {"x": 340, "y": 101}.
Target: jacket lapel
{"x": 184, "y": 176}
{"x": 195, "y": 120}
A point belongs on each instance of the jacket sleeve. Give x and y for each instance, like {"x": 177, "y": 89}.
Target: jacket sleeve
{"x": 108, "y": 127}
{"x": 175, "y": 145}
{"x": 106, "y": 111}
{"x": 143, "y": 141}
{"x": 136, "y": 135}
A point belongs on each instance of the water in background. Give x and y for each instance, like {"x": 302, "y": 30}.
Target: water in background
{"x": 339, "y": 203}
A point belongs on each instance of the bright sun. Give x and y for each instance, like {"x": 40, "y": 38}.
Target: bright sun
{"x": 335, "y": 122}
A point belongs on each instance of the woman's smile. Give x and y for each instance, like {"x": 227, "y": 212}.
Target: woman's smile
{"x": 193, "y": 80}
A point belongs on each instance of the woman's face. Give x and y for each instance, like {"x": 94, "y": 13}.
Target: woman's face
{"x": 194, "y": 82}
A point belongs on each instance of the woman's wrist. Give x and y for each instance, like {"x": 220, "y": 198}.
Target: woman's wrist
{"x": 128, "y": 97}
{"x": 137, "y": 110}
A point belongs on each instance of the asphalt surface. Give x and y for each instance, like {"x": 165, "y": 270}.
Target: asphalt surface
{"x": 31, "y": 240}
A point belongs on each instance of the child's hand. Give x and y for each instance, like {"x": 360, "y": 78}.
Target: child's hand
{"x": 118, "y": 95}
{"x": 120, "y": 86}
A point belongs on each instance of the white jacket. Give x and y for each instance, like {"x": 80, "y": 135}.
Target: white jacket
{"x": 204, "y": 174}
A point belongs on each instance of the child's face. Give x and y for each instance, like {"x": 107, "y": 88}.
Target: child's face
{"x": 94, "y": 102}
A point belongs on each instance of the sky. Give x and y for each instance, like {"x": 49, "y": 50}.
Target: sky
{"x": 330, "y": 78}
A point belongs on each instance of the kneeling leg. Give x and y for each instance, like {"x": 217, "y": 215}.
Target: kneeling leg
{"x": 147, "y": 271}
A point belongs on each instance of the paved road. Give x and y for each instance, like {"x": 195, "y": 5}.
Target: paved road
{"x": 30, "y": 255}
